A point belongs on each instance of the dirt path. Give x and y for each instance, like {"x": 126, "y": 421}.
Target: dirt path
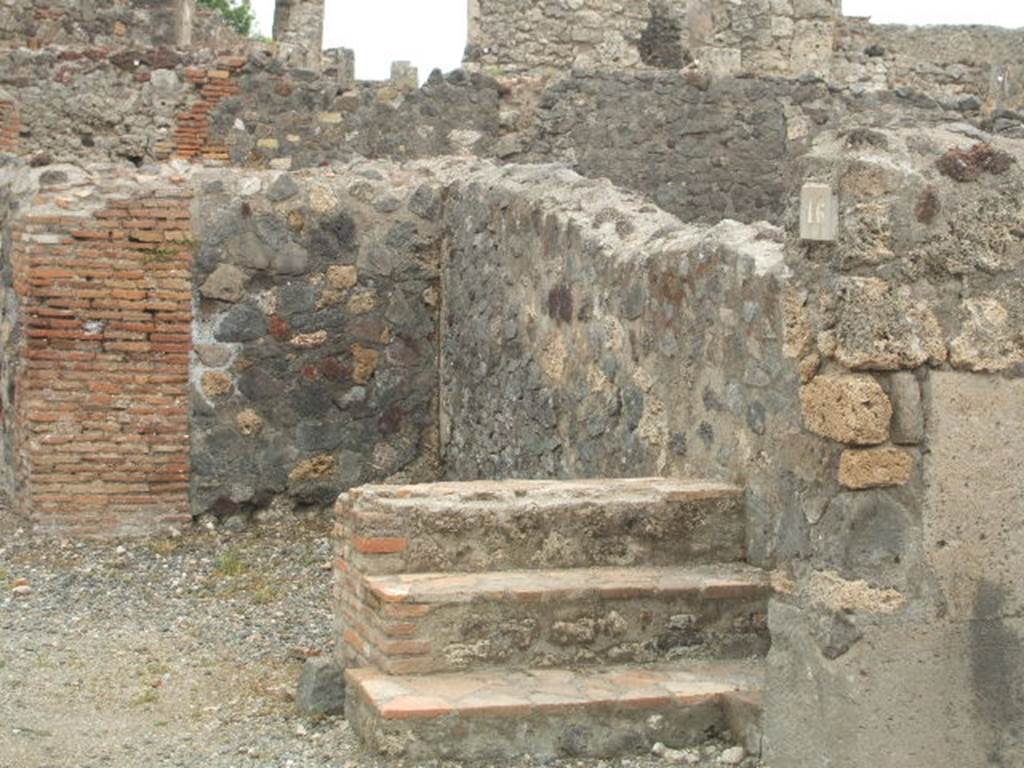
{"x": 176, "y": 652}
{"x": 171, "y": 652}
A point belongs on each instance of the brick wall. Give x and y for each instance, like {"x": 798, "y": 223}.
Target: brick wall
{"x": 191, "y": 139}
{"x": 102, "y": 276}
{"x": 10, "y": 125}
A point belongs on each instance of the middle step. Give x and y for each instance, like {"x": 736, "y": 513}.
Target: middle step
{"x": 421, "y": 623}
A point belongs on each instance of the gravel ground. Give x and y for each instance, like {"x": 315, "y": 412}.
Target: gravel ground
{"x": 175, "y": 652}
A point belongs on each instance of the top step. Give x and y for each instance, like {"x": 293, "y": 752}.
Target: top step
{"x": 523, "y": 524}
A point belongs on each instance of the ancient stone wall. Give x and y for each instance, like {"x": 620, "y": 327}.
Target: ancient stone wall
{"x": 148, "y": 105}
{"x": 310, "y": 364}
{"x": 38, "y": 23}
{"x": 283, "y": 116}
{"x": 299, "y": 32}
{"x": 980, "y": 65}
{"x": 778, "y": 38}
{"x": 866, "y": 393}
{"x": 100, "y": 266}
{"x": 588, "y": 334}
{"x": 977, "y": 66}
{"x": 899, "y": 639}
{"x": 123, "y": 105}
{"x": 315, "y": 364}
{"x": 512, "y": 37}
{"x": 763, "y": 38}
{"x": 703, "y": 150}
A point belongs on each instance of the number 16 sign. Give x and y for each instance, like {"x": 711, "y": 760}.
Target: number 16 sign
{"x": 819, "y": 213}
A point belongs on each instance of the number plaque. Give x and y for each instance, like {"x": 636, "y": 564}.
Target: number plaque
{"x": 819, "y": 213}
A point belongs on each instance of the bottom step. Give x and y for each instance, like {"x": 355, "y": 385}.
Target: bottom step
{"x": 604, "y": 712}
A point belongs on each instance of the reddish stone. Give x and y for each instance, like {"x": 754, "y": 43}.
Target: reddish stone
{"x": 333, "y": 370}
{"x": 391, "y": 420}
{"x": 279, "y": 327}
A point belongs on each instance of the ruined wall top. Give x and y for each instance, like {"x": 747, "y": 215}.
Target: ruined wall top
{"x": 773, "y": 38}
{"x": 149, "y": 23}
{"x": 146, "y": 24}
{"x": 762, "y": 36}
{"x": 299, "y": 32}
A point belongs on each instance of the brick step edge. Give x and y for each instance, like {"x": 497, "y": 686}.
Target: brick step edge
{"x": 708, "y": 582}
{"x": 604, "y": 712}
{"x": 417, "y": 624}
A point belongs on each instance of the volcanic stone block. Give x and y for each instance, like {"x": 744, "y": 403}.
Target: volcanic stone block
{"x": 989, "y": 340}
{"x": 847, "y": 409}
{"x": 226, "y": 283}
{"x": 875, "y": 468}
{"x": 884, "y": 327}
{"x": 321, "y": 689}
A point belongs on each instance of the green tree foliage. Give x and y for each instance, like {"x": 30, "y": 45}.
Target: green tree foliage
{"x": 237, "y": 13}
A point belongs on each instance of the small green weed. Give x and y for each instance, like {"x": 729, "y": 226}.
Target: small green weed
{"x": 230, "y": 563}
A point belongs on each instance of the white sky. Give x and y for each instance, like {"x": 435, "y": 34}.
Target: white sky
{"x": 432, "y": 33}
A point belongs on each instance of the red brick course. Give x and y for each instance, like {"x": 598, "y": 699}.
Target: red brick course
{"x": 102, "y": 387}
{"x": 10, "y": 126}
{"x": 191, "y": 139}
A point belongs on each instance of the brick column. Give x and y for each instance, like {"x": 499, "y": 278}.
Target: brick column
{"x": 102, "y": 272}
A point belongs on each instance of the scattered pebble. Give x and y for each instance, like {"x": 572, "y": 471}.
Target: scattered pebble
{"x": 733, "y": 756}
{"x": 712, "y": 752}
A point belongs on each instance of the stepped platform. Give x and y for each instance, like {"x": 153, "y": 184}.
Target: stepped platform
{"x": 486, "y": 620}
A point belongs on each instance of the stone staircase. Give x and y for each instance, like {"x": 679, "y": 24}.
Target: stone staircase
{"x": 485, "y": 620}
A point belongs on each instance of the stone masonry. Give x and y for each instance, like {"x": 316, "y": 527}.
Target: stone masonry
{"x": 299, "y": 31}
{"x": 315, "y": 333}
{"x": 237, "y": 281}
